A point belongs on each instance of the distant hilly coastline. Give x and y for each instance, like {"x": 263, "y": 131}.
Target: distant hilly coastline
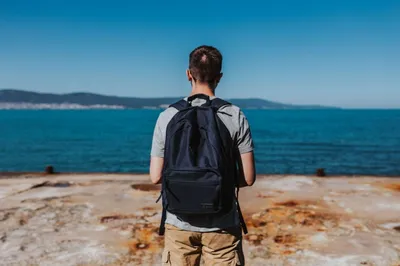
{"x": 21, "y": 99}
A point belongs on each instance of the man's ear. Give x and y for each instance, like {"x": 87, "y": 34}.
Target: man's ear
{"x": 189, "y": 75}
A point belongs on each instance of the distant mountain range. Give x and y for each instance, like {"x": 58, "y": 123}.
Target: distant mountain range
{"x": 20, "y": 99}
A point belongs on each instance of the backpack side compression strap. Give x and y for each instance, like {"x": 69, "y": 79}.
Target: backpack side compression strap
{"x": 241, "y": 218}
{"x": 161, "y": 230}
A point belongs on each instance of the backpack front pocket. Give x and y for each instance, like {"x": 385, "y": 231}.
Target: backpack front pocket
{"x": 193, "y": 191}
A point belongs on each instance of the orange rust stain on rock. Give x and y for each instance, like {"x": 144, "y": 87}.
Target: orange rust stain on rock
{"x": 317, "y": 219}
{"x": 289, "y": 203}
{"x": 285, "y": 239}
{"x": 295, "y": 203}
{"x": 110, "y": 218}
{"x": 287, "y": 252}
{"x": 146, "y": 187}
{"x": 23, "y": 220}
{"x": 260, "y": 195}
{"x": 267, "y": 196}
{"x": 144, "y": 246}
{"x": 393, "y": 186}
{"x": 278, "y": 227}
{"x": 144, "y": 239}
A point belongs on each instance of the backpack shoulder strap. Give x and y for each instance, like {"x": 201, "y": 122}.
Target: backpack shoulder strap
{"x": 217, "y": 103}
{"x": 180, "y": 105}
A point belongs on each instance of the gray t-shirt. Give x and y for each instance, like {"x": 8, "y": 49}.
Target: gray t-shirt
{"x": 239, "y": 128}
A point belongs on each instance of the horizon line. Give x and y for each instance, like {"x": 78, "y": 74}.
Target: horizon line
{"x": 233, "y": 98}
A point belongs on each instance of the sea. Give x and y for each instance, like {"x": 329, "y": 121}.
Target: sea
{"x": 343, "y": 142}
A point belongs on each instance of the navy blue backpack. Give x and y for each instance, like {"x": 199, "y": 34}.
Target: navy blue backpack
{"x": 200, "y": 172}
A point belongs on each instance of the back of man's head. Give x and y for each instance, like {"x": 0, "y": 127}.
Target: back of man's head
{"x": 205, "y": 63}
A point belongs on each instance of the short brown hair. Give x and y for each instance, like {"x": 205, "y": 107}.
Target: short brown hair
{"x": 205, "y": 63}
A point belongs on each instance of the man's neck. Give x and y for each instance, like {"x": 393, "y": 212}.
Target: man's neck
{"x": 202, "y": 89}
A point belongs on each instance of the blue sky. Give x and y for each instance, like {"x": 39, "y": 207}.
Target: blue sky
{"x": 342, "y": 53}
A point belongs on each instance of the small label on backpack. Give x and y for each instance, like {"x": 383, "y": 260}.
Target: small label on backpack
{"x": 207, "y": 205}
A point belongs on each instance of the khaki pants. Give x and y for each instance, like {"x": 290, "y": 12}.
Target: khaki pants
{"x": 216, "y": 248}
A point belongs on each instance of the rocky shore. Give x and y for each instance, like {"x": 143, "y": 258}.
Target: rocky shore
{"x": 108, "y": 219}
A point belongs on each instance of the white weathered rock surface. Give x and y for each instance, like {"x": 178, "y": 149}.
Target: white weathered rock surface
{"x": 112, "y": 220}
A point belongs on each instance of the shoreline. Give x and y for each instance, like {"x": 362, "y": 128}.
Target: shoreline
{"x": 33, "y": 174}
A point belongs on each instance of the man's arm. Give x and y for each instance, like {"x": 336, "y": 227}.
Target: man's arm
{"x": 157, "y": 152}
{"x": 156, "y": 165}
{"x": 247, "y": 169}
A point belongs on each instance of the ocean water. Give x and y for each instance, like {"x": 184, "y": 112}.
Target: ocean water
{"x": 353, "y": 142}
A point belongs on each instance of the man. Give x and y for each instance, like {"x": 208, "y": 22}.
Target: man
{"x": 215, "y": 238}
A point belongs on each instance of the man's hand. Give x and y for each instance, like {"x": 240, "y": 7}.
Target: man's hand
{"x": 156, "y": 165}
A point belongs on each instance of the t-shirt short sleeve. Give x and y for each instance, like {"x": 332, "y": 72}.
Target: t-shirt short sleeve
{"x": 160, "y": 131}
{"x": 244, "y": 138}
{"x": 158, "y": 143}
